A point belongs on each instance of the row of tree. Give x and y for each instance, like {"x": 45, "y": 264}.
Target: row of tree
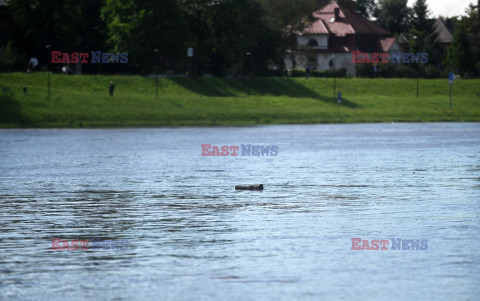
{"x": 414, "y": 27}
{"x": 228, "y": 36}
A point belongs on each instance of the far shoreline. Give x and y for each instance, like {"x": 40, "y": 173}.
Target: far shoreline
{"x": 84, "y": 102}
{"x": 231, "y": 126}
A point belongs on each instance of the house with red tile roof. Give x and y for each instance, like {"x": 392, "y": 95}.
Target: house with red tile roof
{"x": 327, "y": 43}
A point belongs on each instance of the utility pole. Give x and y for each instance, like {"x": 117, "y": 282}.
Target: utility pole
{"x": 156, "y": 72}
{"x": 451, "y": 77}
{"x": 48, "y": 72}
{"x": 334, "y": 78}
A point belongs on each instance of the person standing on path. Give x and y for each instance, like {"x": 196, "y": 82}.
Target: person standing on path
{"x": 111, "y": 87}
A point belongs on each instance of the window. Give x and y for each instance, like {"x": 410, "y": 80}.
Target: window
{"x": 313, "y": 42}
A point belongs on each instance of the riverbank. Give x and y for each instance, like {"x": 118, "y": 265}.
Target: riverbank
{"x": 83, "y": 101}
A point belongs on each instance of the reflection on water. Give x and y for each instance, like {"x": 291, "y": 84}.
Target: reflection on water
{"x": 192, "y": 236}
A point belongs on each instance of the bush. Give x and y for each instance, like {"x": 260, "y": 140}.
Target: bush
{"x": 297, "y": 73}
{"x": 399, "y": 71}
{"x": 9, "y": 58}
{"x": 273, "y": 72}
{"x": 433, "y": 72}
{"x": 365, "y": 70}
{"x": 315, "y": 73}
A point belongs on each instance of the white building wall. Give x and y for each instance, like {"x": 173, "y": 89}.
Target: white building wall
{"x": 304, "y": 40}
{"x": 321, "y": 61}
{"x": 304, "y": 60}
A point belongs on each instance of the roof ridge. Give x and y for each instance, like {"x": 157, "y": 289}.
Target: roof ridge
{"x": 348, "y": 22}
{"x": 363, "y": 19}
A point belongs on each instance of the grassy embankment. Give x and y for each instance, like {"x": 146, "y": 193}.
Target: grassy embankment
{"x": 84, "y": 101}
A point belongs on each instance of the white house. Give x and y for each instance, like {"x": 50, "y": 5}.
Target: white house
{"x": 327, "y": 43}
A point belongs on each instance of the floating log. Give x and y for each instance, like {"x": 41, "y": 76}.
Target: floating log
{"x": 249, "y": 187}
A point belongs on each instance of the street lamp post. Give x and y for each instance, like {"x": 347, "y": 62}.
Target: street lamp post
{"x": 334, "y": 78}
{"x": 417, "y": 82}
{"x": 156, "y": 73}
{"x": 48, "y": 73}
{"x": 417, "y": 67}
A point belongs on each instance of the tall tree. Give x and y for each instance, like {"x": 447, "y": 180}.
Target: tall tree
{"x": 365, "y": 7}
{"x": 68, "y": 25}
{"x": 230, "y": 36}
{"x": 243, "y": 36}
{"x": 362, "y": 7}
{"x": 459, "y": 57}
{"x": 290, "y": 17}
{"x": 422, "y": 35}
{"x": 139, "y": 27}
{"x": 471, "y": 26}
{"x": 420, "y": 17}
{"x": 392, "y": 14}
{"x": 294, "y": 14}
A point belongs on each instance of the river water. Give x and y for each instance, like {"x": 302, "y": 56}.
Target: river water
{"x": 192, "y": 236}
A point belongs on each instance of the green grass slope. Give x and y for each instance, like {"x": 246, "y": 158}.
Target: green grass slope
{"x": 77, "y": 101}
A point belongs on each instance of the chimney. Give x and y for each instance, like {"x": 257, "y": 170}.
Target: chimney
{"x": 336, "y": 13}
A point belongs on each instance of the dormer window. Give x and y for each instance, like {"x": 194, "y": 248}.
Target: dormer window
{"x": 313, "y": 43}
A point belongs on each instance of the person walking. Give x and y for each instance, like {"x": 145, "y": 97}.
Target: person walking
{"x": 111, "y": 88}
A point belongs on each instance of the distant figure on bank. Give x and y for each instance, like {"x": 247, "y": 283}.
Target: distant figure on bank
{"x": 111, "y": 87}
{"x": 30, "y": 67}
{"x": 66, "y": 69}
{"x": 307, "y": 73}
{"x": 25, "y": 89}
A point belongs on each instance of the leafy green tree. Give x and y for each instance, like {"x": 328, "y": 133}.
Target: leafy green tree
{"x": 139, "y": 27}
{"x": 9, "y": 58}
{"x": 362, "y": 7}
{"x": 66, "y": 25}
{"x": 459, "y": 57}
{"x": 420, "y": 20}
{"x": 288, "y": 17}
{"x": 471, "y": 24}
{"x": 241, "y": 36}
{"x": 422, "y": 35}
{"x": 295, "y": 14}
{"x": 365, "y": 7}
{"x": 392, "y": 14}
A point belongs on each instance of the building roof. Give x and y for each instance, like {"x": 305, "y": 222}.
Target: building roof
{"x": 386, "y": 43}
{"x": 444, "y": 34}
{"x": 317, "y": 27}
{"x": 3, "y": 3}
{"x": 341, "y": 44}
{"x": 347, "y": 23}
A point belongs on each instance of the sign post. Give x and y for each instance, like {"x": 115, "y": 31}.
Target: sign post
{"x": 450, "y": 81}
{"x": 417, "y": 84}
{"x": 190, "y": 59}
{"x": 339, "y": 101}
{"x": 332, "y": 65}
{"x": 48, "y": 72}
{"x": 156, "y": 73}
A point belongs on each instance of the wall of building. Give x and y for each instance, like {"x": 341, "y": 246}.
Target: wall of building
{"x": 304, "y": 40}
{"x": 321, "y": 61}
